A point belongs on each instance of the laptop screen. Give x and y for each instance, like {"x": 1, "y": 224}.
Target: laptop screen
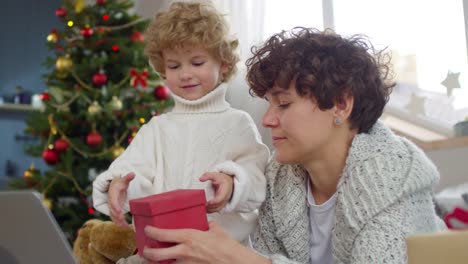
{"x": 29, "y": 232}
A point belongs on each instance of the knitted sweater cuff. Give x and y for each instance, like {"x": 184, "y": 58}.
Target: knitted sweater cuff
{"x": 100, "y": 188}
{"x": 239, "y": 197}
{"x": 100, "y": 192}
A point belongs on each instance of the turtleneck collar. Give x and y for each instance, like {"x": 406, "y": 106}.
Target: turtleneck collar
{"x": 213, "y": 102}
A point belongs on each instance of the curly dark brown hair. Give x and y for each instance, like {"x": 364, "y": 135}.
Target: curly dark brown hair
{"x": 325, "y": 67}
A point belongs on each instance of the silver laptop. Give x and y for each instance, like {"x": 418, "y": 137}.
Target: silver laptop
{"x": 29, "y": 232}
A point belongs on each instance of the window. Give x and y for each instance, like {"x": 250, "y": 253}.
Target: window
{"x": 428, "y": 45}
{"x": 284, "y": 15}
{"x": 427, "y": 41}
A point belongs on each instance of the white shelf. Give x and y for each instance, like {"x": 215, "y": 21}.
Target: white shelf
{"x": 17, "y": 107}
{"x": 422, "y": 136}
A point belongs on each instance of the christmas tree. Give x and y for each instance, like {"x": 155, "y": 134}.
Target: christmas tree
{"x": 99, "y": 93}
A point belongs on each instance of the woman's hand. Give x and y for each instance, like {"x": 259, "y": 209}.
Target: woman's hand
{"x": 195, "y": 246}
{"x": 117, "y": 195}
{"x": 223, "y": 186}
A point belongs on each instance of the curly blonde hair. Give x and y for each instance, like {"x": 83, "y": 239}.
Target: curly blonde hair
{"x": 191, "y": 23}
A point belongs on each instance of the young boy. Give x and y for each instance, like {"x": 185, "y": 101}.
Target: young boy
{"x": 201, "y": 136}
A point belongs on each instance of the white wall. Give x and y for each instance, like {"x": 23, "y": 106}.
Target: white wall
{"x": 238, "y": 96}
{"x": 148, "y": 8}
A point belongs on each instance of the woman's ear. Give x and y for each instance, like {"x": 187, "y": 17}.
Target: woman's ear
{"x": 344, "y": 107}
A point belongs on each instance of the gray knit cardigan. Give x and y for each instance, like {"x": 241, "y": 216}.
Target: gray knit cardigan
{"x": 384, "y": 195}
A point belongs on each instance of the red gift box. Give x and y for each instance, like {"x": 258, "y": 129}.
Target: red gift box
{"x": 170, "y": 210}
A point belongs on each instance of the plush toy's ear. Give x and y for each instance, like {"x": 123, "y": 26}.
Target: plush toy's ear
{"x": 113, "y": 241}
{"x": 80, "y": 246}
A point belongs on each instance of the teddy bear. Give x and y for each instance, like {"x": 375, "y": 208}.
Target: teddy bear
{"x": 103, "y": 242}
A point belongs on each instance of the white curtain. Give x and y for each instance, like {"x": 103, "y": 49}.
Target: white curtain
{"x": 246, "y": 18}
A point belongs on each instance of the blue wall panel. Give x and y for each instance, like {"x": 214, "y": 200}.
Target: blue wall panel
{"x": 26, "y": 25}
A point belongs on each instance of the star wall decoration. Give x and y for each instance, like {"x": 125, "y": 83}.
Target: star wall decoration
{"x": 416, "y": 104}
{"x": 451, "y": 82}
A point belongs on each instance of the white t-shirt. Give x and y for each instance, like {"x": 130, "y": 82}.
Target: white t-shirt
{"x": 321, "y": 223}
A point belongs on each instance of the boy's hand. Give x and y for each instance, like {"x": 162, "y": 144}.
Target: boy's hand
{"x": 223, "y": 186}
{"x": 117, "y": 195}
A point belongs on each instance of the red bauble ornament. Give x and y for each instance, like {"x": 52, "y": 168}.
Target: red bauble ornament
{"x": 87, "y": 32}
{"x": 137, "y": 37}
{"x": 100, "y": 2}
{"x": 115, "y": 48}
{"x": 161, "y": 92}
{"x": 50, "y": 156}
{"x": 99, "y": 79}
{"x": 94, "y": 139}
{"x": 44, "y": 96}
{"x": 61, "y": 145}
{"x": 61, "y": 12}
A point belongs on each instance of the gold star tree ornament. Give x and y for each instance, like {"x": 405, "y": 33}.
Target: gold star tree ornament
{"x": 451, "y": 82}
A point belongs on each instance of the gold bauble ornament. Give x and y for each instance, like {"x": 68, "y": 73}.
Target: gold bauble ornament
{"x": 94, "y": 108}
{"x": 52, "y": 37}
{"x": 115, "y": 104}
{"x": 117, "y": 151}
{"x": 64, "y": 63}
{"x": 27, "y": 174}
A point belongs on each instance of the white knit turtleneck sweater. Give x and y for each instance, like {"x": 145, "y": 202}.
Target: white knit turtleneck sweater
{"x": 174, "y": 149}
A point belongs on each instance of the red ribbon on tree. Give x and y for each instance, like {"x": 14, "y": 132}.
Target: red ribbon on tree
{"x": 138, "y": 78}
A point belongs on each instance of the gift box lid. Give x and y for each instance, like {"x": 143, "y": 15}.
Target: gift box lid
{"x": 167, "y": 202}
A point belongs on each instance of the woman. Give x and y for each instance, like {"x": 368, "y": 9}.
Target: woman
{"x": 342, "y": 188}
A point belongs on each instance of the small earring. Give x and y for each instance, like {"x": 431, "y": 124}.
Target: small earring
{"x": 337, "y": 120}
